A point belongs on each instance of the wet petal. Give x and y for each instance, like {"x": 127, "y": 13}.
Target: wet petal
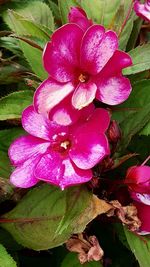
{"x": 113, "y": 90}
{"x": 49, "y": 94}
{"x": 23, "y": 176}
{"x": 84, "y": 95}
{"x": 25, "y": 147}
{"x": 61, "y": 55}
{"x": 97, "y": 48}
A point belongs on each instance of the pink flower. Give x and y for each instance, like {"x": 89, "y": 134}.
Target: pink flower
{"x": 142, "y": 10}
{"x": 59, "y": 155}
{"x": 143, "y": 214}
{"x": 138, "y": 179}
{"x": 83, "y": 66}
{"x": 78, "y": 16}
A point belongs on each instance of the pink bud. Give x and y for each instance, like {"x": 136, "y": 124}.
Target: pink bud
{"x": 114, "y": 132}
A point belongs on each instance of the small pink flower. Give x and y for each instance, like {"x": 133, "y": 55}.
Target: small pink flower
{"x": 83, "y": 66}
{"x": 59, "y": 155}
{"x": 138, "y": 179}
{"x": 78, "y": 16}
{"x": 142, "y": 10}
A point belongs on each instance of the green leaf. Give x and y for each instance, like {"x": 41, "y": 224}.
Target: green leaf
{"x": 64, "y": 7}
{"x": 146, "y": 129}
{"x": 141, "y": 60}
{"x": 71, "y": 260}
{"x": 39, "y": 13}
{"x": 133, "y": 123}
{"x": 41, "y": 212}
{"x": 5, "y": 259}
{"x": 12, "y": 105}
{"x": 23, "y": 27}
{"x": 140, "y": 248}
{"x": 6, "y": 137}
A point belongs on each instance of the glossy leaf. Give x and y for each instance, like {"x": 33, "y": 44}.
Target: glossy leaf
{"x": 71, "y": 260}
{"x": 44, "y": 209}
{"x": 12, "y": 105}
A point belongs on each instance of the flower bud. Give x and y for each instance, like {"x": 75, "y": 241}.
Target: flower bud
{"x": 114, "y": 132}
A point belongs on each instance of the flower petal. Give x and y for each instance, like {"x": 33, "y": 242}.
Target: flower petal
{"x": 97, "y": 48}
{"x": 23, "y": 176}
{"x": 88, "y": 147}
{"x": 143, "y": 215}
{"x": 117, "y": 62}
{"x": 73, "y": 175}
{"x": 99, "y": 120}
{"x": 25, "y": 147}
{"x": 142, "y": 198}
{"x": 142, "y": 10}
{"x": 49, "y": 94}
{"x": 38, "y": 125}
{"x": 138, "y": 174}
{"x": 84, "y": 95}
{"x": 61, "y": 55}
{"x": 64, "y": 113}
{"x": 113, "y": 90}
{"x": 49, "y": 168}
{"x": 79, "y": 17}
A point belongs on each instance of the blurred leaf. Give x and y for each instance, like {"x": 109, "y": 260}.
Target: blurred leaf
{"x": 11, "y": 44}
{"x": 23, "y": 27}
{"x": 39, "y": 13}
{"x": 5, "y": 166}
{"x": 64, "y": 7}
{"x": 11, "y": 106}
{"x": 139, "y": 247}
{"x": 125, "y": 35}
{"x": 71, "y": 260}
{"x": 11, "y": 72}
{"x": 146, "y": 129}
{"x": 41, "y": 212}
{"x": 133, "y": 123}
{"x": 141, "y": 60}
{"x": 8, "y": 135}
{"x": 5, "y": 259}
{"x": 55, "y": 10}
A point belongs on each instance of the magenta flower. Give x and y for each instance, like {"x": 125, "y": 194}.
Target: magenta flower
{"x": 83, "y": 66}
{"x": 142, "y": 10}
{"x": 59, "y": 155}
{"x": 78, "y": 16}
{"x": 143, "y": 215}
{"x": 138, "y": 179}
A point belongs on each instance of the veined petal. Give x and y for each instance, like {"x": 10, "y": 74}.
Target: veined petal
{"x": 73, "y": 175}
{"x": 97, "y": 48}
{"x": 49, "y": 94}
{"x": 88, "y": 147}
{"x": 84, "y": 95}
{"x": 23, "y": 176}
{"x": 49, "y": 168}
{"x": 25, "y": 147}
{"x": 113, "y": 90}
{"x": 61, "y": 55}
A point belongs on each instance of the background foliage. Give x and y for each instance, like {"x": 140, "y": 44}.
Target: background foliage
{"x": 24, "y": 30}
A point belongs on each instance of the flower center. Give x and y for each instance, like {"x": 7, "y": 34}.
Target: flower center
{"x": 61, "y": 143}
{"x": 83, "y": 77}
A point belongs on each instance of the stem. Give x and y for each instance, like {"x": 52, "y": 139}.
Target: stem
{"x": 147, "y": 159}
{"x": 126, "y": 19}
